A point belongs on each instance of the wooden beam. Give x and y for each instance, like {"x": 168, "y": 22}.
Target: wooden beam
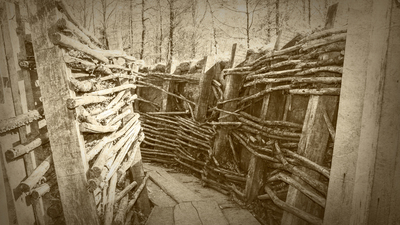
{"x": 312, "y": 145}
{"x": 233, "y": 85}
{"x": 205, "y": 92}
{"x": 68, "y": 148}
{"x": 374, "y": 191}
{"x": 348, "y": 128}
{"x": 138, "y": 175}
{"x": 255, "y": 176}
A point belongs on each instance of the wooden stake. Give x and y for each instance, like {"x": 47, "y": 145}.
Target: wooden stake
{"x": 108, "y": 214}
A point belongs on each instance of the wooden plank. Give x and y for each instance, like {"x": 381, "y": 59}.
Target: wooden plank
{"x": 4, "y": 206}
{"x": 66, "y": 141}
{"x": 205, "y": 92}
{"x": 158, "y": 197}
{"x": 137, "y": 172}
{"x": 161, "y": 215}
{"x": 185, "y": 213}
{"x": 232, "y": 86}
{"x": 210, "y": 213}
{"x": 238, "y": 216}
{"x": 312, "y": 145}
{"x": 376, "y": 191}
{"x": 171, "y": 186}
{"x": 348, "y": 128}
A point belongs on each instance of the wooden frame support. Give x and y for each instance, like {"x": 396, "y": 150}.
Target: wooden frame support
{"x": 233, "y": 85}
{"x": 255, "y": 176}
{"x": 205, "y": 92}
{"x": 13, "y": 38}
{"x": 312, "y": 145}
{"x": 365, "y": 174}
{"x": 65, "y": 139}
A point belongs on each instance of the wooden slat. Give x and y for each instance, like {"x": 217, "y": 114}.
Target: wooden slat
{"x": 376, "y": 188}
{"x": 210, "y": 213}
{"x": 3, "y": 193}
{"x": 238, "y": 216}
{"x": 67, "y": 143}
{"x": 205, "y": 93}
{"x": 232, "y": 87}
{"x": 342, "y": 176}
{"x": 185, "y": 213}
{"x": 171, "y": 186}
{"x": 312, "y": 145}
{"x": 161, "y": 215}
{"x": 158, "y": 197}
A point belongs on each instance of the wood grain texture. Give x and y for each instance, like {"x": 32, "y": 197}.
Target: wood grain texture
{"x": 171, "y": 186}
{"x": 161, "y": 215}
{"x": 210, "y": 213}
{"x": 312, "y": 145}
{"x": 185, "y": 213}
{"x": 376, "y": 185}
{"x": 238, "y": 216}
{"x": 65, "y": 139}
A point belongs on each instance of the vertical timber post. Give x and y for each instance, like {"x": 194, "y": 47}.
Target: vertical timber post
{"x": 313, "y": 143}
{"x": 233, "y": 85}
{"x": 68, "y": 149}
{"x": 205, "y": 93}
{"x": 370, "y": 170}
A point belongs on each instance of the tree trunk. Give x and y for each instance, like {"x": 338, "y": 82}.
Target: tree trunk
{"x": 247, "y": 24}
{"x": 171, "y": 35}
{"x": 277, "y": 16}
{"x": 104, "y": 7}
{"x": 143, "y": 30}
{"x": 309, "y": 12}
{"x": 214, "y": 30}
{"x": 93, "y": 20}
{"x": 85, "y": 14}
{"x": 194, "y": 5}
{"x": 131, "y": 26}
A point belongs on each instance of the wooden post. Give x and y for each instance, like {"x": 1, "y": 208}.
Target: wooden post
{"x": 13, "y": 30}
{"x": 205, "y": 92}
{"x": 68, "y": 149}
{"x": 312, "y": 145}
{"x": 348, "y": 128}
{"x": 138, "y": 175}
{"x": 233, "y": 85}
{"x": 366, "y": 160}
{"x": 255, "y": 176}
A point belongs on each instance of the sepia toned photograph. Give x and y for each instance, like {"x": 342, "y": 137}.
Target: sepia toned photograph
{"x": 199, "y": 112}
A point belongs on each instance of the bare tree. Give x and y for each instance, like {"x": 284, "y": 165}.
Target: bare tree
{"x": 143, "y": 30}
{"x": 107, "y": 10}
{"x": 277, "y": 16}
{"x": 309, "y": 12}
{"x": 159, "y": 36}
{"x": 213, "y": 28}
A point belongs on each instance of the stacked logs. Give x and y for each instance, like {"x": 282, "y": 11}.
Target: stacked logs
{"x": 102, "y": 82}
